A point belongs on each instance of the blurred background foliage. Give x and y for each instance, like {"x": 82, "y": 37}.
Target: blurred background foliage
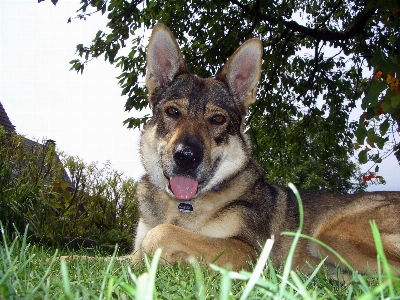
{"x": 62, "y": 198}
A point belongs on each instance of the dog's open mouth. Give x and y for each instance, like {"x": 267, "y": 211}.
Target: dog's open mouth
{"x": 183, "y": 187}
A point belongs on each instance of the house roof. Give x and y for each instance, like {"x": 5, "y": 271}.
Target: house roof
{"x": 5, "y": 120}
{"x": 30, "y": 145}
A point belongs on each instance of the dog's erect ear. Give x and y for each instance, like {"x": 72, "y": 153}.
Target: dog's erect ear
{"x": 242, "y": 71}
{"x": 164, "y": 59}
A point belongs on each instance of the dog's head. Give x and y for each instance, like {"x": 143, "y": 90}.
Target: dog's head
{"x": 195, "y": 141}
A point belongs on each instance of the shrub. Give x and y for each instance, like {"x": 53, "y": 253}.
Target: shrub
{"x": 96, "y": 203}
{"x": 101, "y": 204}
{"x": 26, "y": 172}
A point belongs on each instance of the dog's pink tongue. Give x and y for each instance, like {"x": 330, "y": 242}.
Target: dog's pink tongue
{"x": 183, "y": 187}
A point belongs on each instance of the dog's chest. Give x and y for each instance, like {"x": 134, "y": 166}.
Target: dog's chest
{"x": 204, "y": 217}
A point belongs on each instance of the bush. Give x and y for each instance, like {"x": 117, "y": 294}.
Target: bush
{"x": 101, "y": 204}
{"x": 26, "y": 172}
{"x": 96, "y": 203}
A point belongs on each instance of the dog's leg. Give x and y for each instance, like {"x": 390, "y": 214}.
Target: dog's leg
{"x": 350, "y": 235}
{"x": 181, "y": 244}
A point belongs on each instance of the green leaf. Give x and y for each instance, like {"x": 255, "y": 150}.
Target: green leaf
{"x": 370, "y": 113}
{"x": 380, "y": 142}
{"x": 395, "y": 100}
{"x": 109, "y": 38}
{"x": 64, "y": 186}
{"x": 378, "y": 59}
{"x": 372, "y": 96}
{"x": 386, "y": 106}
{"x": 371, "y": 134}
{"x": 361, "y": 133}
{"x": 136, "y": 122}
{"x": 362, "y": 157}
{"x": 384, "y": 127}
{"x": 56, "y": 204}
{"x": 98, "y": 34}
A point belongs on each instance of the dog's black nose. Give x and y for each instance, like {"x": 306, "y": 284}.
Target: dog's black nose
{"x": 188, "y": 154}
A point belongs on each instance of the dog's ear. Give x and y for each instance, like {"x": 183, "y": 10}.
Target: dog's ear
{"x": 164, "y": 59}
{"x": 242, "y": 72}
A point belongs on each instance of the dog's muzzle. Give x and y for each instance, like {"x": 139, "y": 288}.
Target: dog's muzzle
{"x": 188, "y": 155}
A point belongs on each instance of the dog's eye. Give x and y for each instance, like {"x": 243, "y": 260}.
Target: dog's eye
{"x": 172, "y": 111}
{"x": 218, "y": 120}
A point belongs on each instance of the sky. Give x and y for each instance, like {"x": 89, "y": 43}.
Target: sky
{"x": 43, "y": 99}
{"x": 82, "y": 113}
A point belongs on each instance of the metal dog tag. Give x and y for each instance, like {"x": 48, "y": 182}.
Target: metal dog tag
{"x": 185, "y": 207}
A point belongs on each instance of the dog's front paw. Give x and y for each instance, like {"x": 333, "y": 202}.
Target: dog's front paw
{"x": 168, "y": 238}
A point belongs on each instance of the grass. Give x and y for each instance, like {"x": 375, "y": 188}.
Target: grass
{"x": 26, "y": 272}
{"x": 33, "y": 272}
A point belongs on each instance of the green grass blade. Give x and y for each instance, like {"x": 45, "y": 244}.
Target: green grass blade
{"x": 66, "y": 286}
{"x": 200, "y": 294}
{"x": 289, "y": 259}
{"x": 145, "y": 287}
{"x": 153, "y": 272}
{"x": 382, "y": 257}
{"x": 109, "y": 267}
{"x": 225, "y": 286}
{"x": 300, "y": 286}
{"x": 258, "y": 268}
{"x": 46, "y": 273}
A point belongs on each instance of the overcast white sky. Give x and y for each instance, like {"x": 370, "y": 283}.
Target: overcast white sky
{"x": 82, "y": 113}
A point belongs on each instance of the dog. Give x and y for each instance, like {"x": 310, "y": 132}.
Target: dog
{"x": 203, "y": 195}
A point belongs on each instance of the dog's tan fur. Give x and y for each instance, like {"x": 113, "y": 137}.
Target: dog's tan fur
{"x": 197, "y": 133}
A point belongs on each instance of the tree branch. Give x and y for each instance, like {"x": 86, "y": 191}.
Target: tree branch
{"x": 356, "y": 27}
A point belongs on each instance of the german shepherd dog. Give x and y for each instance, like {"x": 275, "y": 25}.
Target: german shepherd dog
{"x": 203, "y": 195}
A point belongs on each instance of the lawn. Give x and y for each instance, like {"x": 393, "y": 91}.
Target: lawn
{"x": 29, "y": 271}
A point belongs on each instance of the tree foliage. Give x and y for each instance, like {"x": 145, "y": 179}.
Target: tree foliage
{"x": 314, "y": 55}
